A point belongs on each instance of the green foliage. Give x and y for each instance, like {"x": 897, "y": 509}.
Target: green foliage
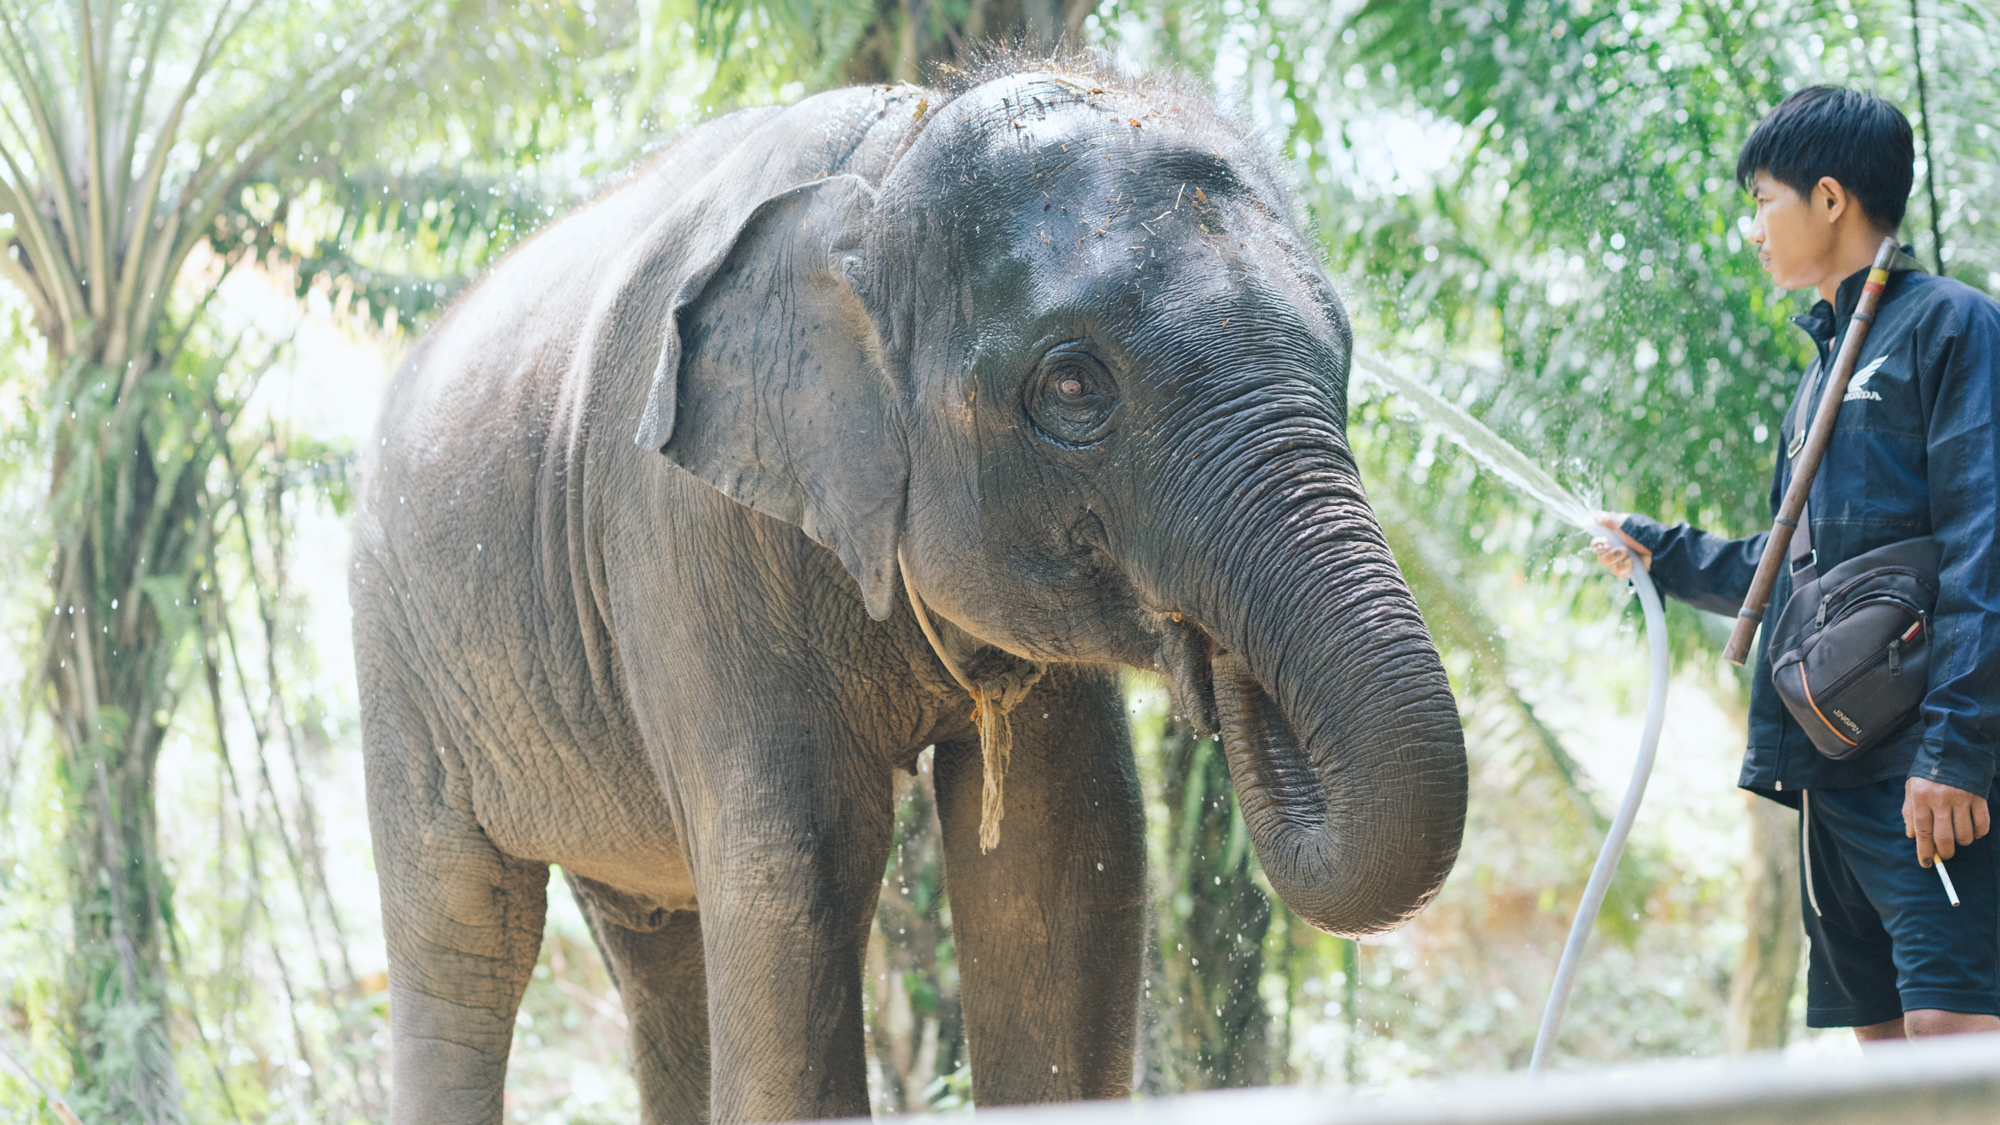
{"x": 1601, "y": 267}
{"x": 1527, "y": 202}
{"x": 920, "y": 1060}
{"x": 113, "y": 182}
{"x": 571, "y": 1044}
{"x": 1961, "y": 43}
{"x": 393, "y": 213}
{"x": 1206, "y": 1024}
{"x": 148, "y": 153}
{"x": 821, "y": 43}
{"x": 812, "y": 39}
{"x": 514, "y": 114}
{"x": 1531, "y": 206}
{"x": 1570, "y": 252}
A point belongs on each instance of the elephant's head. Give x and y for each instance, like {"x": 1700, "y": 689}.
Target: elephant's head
{"x": 1074, "y": 363}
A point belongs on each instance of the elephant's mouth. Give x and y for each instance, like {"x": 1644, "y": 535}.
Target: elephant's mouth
{"x": 1187, "y": 655}
{"x": 1220, "y": 696}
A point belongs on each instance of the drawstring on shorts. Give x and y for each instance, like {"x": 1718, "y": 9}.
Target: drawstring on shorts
{"x": 1805, "y": 848}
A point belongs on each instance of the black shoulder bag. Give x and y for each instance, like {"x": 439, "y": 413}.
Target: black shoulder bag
{"x": 1851, "y": 652}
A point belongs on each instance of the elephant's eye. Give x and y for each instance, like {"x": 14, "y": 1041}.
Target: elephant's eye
{"x": 1073, "y": 400}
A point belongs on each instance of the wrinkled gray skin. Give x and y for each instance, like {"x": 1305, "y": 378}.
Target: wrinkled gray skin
{"x": 1088, "y": 380}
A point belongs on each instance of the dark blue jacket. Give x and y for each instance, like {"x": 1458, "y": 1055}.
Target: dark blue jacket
{"x": 1917, "y": 452}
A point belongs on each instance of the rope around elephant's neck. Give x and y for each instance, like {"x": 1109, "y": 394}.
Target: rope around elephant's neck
{"x": 992, "y": 698}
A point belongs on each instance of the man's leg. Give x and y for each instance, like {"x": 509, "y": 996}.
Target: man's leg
{"x": 1946, "y": 958}
{"x": 1887, "y": 1031}
{"x": 1850, "y": 963}
{"x": 1925, "y": 1022}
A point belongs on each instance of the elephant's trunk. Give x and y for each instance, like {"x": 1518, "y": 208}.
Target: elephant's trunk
{"x": 1341, "y": 732}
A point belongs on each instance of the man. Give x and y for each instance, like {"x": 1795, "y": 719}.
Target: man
{"x": 1916, "y": 452}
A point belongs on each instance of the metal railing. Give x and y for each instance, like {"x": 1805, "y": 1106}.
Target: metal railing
{"x": 1952, "y": 1081}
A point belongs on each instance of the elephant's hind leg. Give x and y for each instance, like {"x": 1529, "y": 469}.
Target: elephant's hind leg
{"x": 656, "y": 962}
{"x": 463, "y": 923}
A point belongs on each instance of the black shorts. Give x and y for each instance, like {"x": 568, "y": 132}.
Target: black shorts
{"x": 1885, "y": 939}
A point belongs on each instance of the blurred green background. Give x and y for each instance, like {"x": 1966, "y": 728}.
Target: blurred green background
{"x": 225, "y": 221}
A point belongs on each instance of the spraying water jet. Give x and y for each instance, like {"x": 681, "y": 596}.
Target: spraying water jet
{"x": 1497, "y": 456}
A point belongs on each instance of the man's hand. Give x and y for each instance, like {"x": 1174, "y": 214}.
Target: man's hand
{"x": 1941, "y": 817}
{"x": 1617, "y": 556}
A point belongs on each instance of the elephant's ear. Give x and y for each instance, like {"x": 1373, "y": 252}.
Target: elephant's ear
{"x": 771, "y": 384}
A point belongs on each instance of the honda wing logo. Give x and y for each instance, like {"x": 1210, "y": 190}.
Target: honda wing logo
{"x": 1857, "y": 387}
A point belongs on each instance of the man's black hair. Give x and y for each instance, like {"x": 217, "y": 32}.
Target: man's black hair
{"x": 1857, "y": 138}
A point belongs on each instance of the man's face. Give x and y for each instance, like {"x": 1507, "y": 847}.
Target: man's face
{"x": 1794, "y": 239}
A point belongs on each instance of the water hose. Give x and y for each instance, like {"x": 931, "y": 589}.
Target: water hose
{"x": 1497, "y": 456}
{"x": 1621, "y": 825}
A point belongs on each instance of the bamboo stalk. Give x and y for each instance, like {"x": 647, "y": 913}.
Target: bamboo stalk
{"x": 97, "y": 201}
{"x": 137, "y": 258}
{"x": 207, "y": 191}
{"x": 45, "y": 253}
{"x": 1806, "y": 466}
{"x": 25, "y": 280}
{"x": 211, "y": 649}
{"x": 39, "y": 97}
{"x": 137, "y": 94}
{"x": 57, "y": 1105}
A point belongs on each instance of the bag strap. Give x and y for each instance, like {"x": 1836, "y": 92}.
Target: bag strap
{"x": 1800, "y": 555}
{"x": 1825, "y": 415}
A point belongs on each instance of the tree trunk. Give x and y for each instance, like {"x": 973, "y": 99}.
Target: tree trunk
{"x": 1767, "y": 969}
{"x": 107, "y": 653}
{"x": 919, "y": 1038}
{"x": 1210, "y": 1028}
{"x": 140, "y": 406}
{"x": 909, "y": 37}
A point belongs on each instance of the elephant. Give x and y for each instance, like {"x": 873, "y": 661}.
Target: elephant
{"x": 893, "y": 418}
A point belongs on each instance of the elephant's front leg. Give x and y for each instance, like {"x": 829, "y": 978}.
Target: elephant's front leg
{"x": 1049, "y": 924}
{"x": 787, "y": 870}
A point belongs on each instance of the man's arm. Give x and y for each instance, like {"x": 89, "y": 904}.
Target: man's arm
{"x": 1945, "y": 800}
{"x": 1706, "y": 571}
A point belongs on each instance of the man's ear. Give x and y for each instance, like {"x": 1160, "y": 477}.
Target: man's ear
{"x": 771, "y": 383}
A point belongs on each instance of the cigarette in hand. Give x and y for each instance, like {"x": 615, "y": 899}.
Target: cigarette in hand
{"x": 1950, "y": 891}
